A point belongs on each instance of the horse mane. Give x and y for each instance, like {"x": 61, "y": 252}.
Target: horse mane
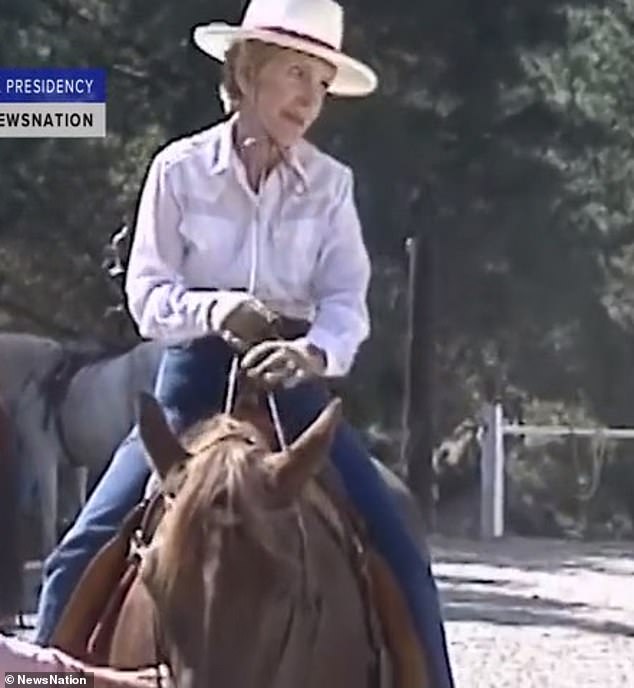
{"x": 220, "y": 488}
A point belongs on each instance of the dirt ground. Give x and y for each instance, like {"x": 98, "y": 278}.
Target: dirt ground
{"x": 530, "y": 612}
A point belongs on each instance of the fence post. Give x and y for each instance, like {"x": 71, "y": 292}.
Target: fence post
{"x": 492, "y": 472}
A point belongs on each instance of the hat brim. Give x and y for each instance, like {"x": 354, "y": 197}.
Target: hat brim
{"x": 353, "y": 78}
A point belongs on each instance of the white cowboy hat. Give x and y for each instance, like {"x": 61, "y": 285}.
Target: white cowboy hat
{"x": 314, "y": 27}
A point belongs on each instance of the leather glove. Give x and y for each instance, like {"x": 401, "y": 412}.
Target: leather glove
{"x": 243, "y": 320}
{"x": 274, "y": 362}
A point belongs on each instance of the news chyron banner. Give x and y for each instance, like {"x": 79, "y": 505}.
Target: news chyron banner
{"x": 52, "y": 103}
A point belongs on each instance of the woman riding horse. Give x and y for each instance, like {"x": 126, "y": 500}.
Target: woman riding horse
{"x": 237, "y": 222}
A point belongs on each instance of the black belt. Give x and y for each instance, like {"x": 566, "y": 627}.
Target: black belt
{"x": 291, "y": 328}
{"x": 288, "y": 328}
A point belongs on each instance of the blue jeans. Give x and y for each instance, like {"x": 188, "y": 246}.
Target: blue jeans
{"x": 191, "y": 384}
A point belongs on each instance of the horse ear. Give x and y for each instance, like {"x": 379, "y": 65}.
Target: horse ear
{"x": 160, "y": 442}
{"x": 305, "y": 456}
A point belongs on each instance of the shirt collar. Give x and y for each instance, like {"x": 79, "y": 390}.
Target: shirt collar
{"x": 223, "y": 151}
{"x": 295, "y": 163}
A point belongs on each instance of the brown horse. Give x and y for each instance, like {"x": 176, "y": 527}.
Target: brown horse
{"x": 249, "y": 587}
{"x": 247, "y": 574}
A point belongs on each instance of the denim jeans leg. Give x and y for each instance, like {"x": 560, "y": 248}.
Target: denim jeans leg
{"x": 299, "y": 407}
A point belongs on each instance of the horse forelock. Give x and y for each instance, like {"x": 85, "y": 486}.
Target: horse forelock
{"x": 224, "y": 486}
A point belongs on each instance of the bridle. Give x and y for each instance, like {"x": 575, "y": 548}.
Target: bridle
{"x": 299, "y": 641}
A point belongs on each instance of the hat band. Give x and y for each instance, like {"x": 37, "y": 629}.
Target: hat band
{"x": 299, "y": 35}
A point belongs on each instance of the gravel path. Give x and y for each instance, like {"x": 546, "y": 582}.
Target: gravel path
{"x": 529, "y": 612}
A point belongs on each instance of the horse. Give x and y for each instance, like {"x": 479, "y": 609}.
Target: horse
{"x": 249, "y": 574}
{"x": 70, "y": 405}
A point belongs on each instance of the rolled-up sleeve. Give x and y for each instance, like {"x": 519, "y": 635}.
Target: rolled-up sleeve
{"x": 162, "y": 306}
{"x": 340, "y": 285}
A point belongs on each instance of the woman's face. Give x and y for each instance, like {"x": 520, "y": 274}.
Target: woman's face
{"x": 287, "y": 94}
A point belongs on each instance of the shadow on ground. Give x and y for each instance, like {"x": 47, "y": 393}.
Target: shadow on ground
{"x": 534, "y": 582}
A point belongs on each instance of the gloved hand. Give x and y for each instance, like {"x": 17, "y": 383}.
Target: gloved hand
{"x": 242, "y": 319}
{"x": 289, "y": 362}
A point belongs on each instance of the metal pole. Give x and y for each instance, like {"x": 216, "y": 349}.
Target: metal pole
{"x": 410, "y": 250}
{"x": 419, "y": 388}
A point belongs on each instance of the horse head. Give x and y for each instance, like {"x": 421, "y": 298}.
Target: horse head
{"x": 229, "y": 571}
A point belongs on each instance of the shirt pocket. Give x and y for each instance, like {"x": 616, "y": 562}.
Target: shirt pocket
{"x": 213, "y": 243}
{"x": 296, "y": 248}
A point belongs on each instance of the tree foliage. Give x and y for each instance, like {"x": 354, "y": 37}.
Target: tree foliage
{"x": 505, "y": 130}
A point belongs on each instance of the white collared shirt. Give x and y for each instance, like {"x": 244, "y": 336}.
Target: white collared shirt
{"x": 196, "y": 225}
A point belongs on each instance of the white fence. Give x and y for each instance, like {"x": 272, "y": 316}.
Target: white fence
{"x": 494, "y": 429}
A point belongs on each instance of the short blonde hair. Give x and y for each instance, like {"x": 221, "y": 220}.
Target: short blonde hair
{"x": 250, "y": 55}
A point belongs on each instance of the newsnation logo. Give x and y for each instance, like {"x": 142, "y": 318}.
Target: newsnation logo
{"x": 52, "y": 103}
